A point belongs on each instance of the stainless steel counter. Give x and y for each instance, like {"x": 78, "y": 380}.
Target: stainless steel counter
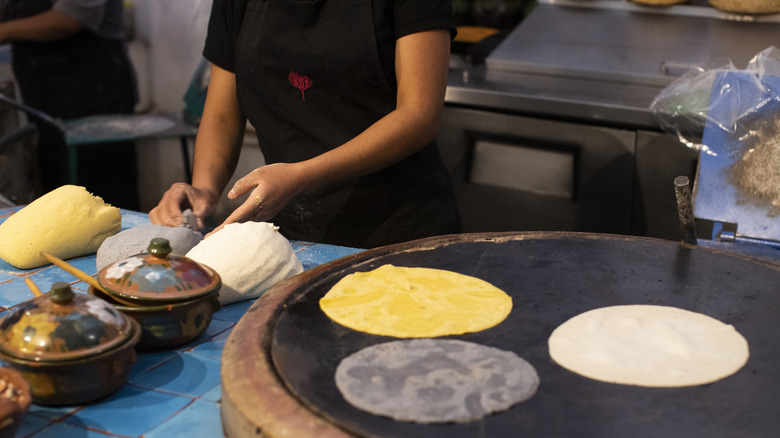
{"x": 622, "y": 42}
{"x": 604, "y": 61}
{"x": 587, "y": 100}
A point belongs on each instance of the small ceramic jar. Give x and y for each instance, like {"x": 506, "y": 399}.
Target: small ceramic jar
{"x": 70, "y": 348}
{"x": 14, "y": 401}
{"x": 172, "y": 297}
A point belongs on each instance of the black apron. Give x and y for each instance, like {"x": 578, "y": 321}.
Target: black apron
{"x": 78, "y": 76}
{"x": 309, "y": 79}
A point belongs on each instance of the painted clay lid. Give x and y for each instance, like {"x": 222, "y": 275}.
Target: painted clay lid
{"x": 62, "y": 325}
{"x": 158, "y": 277}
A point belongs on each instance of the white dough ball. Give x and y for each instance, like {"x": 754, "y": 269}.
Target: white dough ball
{"x": 251, "y": 257}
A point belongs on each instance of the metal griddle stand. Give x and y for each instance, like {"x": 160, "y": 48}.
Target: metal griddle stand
{"x": 727, "y": 216}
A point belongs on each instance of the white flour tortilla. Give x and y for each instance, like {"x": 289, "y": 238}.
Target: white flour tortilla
{"x": 435, "y": 380}
{"x": 655, "y": 346}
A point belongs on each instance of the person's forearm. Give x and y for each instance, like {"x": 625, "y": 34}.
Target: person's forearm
{"x": 48, "y": 26}
{"x": 391, "y": 139}
{"x": 220, "y": 135}
{"x": 217, "y": 149}
{"x": 421, "y": 67}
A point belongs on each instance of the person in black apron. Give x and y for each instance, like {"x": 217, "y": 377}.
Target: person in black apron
{"x": 70, "y": 75}
{"x": 350, "y": 140}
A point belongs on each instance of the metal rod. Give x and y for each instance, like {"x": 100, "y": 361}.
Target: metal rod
{"x": 32, "y": 112}
{"x": 730, "y": 236}
{"x": 685, "y": 209}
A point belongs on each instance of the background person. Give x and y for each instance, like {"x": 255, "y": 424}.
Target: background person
{"x": 69, "y": 59}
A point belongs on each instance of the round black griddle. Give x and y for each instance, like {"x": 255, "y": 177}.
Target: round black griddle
{"x": 551, "y": 278}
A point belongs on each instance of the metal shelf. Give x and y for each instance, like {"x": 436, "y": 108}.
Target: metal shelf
{"x": 694, "y": 9}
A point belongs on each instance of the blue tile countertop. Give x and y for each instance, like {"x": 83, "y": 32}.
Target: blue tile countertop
{"x": 169, "y": 393}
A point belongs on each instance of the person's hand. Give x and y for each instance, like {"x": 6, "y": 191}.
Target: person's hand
{"x": 270, "y": 188}
{"x": 181, "y": 196}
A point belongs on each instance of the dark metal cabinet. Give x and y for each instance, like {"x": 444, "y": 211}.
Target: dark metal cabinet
{"x": 517, "y": 173}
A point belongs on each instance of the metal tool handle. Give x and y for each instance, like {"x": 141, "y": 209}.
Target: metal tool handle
{"x": 685, "y": 209}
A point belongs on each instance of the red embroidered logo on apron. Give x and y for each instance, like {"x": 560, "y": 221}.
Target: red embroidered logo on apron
{"x": 299, "y": 81}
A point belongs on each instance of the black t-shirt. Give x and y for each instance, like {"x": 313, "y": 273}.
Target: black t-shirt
{"x": 392, "y": 20}
{"x": 408, "y": 200}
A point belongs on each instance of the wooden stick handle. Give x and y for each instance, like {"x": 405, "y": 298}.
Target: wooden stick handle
{"x": 33, "y": 287}
{"x": 73, "y": 271}
{"x": 83, "y": 276}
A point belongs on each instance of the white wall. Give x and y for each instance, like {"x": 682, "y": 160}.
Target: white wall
{"x": 171, "y": 33}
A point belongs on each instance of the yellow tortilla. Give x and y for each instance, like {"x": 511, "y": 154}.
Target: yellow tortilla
{"x": 644, "y": 345}
{"x": 415, "y": 302}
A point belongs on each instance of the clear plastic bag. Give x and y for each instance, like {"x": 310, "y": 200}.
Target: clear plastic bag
{"x": 733, "y": 117}
{"x": 685, "y": 107}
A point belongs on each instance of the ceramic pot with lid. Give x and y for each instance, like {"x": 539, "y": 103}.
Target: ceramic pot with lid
{"x": 172, "y": 297}
{"x": 158, "y": 277}
{"x": 71, "y": 348}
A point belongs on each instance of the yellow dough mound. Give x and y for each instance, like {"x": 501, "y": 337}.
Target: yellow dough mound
{"x": 66, "y": 222}
{"x": 415, "y": 302}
